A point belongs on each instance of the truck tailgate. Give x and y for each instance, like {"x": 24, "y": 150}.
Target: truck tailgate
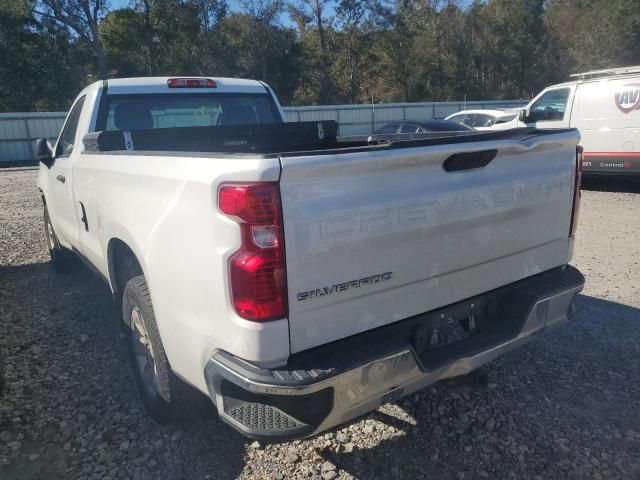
{"x": 376, "y": 236}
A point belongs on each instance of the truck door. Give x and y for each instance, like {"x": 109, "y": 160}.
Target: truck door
{"x": 552, "y": 109}
{"x": 60, "y": 194}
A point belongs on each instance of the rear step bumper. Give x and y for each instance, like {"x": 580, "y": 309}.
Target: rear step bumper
{"x": 331, "y": 384}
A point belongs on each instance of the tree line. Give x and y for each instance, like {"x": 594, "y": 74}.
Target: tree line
{"x": 314, "y": 52}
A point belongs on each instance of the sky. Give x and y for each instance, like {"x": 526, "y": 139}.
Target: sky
{"x": 116, "y": 4}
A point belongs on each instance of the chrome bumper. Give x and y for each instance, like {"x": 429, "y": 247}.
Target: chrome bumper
{"x": 336, "y": 383}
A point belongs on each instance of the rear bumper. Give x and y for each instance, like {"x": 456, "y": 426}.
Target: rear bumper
{"x": 334, "y": 383}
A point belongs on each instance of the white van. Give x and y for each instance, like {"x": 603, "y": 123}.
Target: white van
{"x": 604, "y": 105}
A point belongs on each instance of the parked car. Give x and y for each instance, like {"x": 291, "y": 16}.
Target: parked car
{"x": 421, "y": 127}
{"x": 484, "y": 119}
{"x": 296, "y": 281}
{"x": 604, "y": 105}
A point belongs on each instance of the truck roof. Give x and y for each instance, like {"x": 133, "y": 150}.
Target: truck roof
{"x": 118, "y": 86}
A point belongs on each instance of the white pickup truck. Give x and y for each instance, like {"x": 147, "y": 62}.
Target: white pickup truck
{"x": 298, "y": 281}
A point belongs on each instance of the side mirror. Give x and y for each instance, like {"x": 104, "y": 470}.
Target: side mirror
{"x": 523, "y": 115}
{"x": 44, "y": 152}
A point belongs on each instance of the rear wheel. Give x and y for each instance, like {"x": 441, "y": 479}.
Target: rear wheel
{"x": 165, "y": 396}
{"x": 61, "y": 258}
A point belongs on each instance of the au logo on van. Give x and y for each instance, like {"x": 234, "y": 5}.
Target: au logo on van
{"x": 628, "y": 98}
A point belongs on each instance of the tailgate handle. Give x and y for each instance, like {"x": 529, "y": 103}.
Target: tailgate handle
{"x": 469, "y": 160}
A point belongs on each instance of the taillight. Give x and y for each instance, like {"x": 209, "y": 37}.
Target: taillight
{"x": 191, "y": 83}
{"x": 575, "y": 213}
{"x": 257, "y": 270}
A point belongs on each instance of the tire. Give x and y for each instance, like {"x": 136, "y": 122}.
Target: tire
{"x": 165, "y": 396}
{"x": 62, "y": 259}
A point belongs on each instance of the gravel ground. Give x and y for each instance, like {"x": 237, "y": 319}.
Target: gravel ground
{"x": 564, "y": 406}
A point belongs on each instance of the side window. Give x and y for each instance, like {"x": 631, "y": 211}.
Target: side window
{"x": 408, "y": 129}
{"x": 68, "y": 135}
{"x": 459, "y": 118}
{"x": 388, "y": 129}
{"x": 505, "y": 119}
{"x": 551, "y": 106}
{"x": 480, "y": 120}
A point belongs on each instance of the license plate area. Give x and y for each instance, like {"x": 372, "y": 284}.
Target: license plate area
{"x": 430, "y": 338}
{"x": 450, "y": 332}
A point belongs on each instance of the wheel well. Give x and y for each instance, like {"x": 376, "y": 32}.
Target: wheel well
{"x": 123, "y": 265}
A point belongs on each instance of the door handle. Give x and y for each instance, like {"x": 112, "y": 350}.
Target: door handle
{"x": 61, "y": 178}
{"x": 469, "y": 160}
{"x": 84, "y": 218}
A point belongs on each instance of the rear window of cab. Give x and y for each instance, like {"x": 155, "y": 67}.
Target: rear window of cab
{"x": 150, "y": 111}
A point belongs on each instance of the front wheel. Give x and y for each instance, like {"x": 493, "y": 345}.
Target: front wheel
{"x": 61, "y": 258}
{"x": 165, "y": 396}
